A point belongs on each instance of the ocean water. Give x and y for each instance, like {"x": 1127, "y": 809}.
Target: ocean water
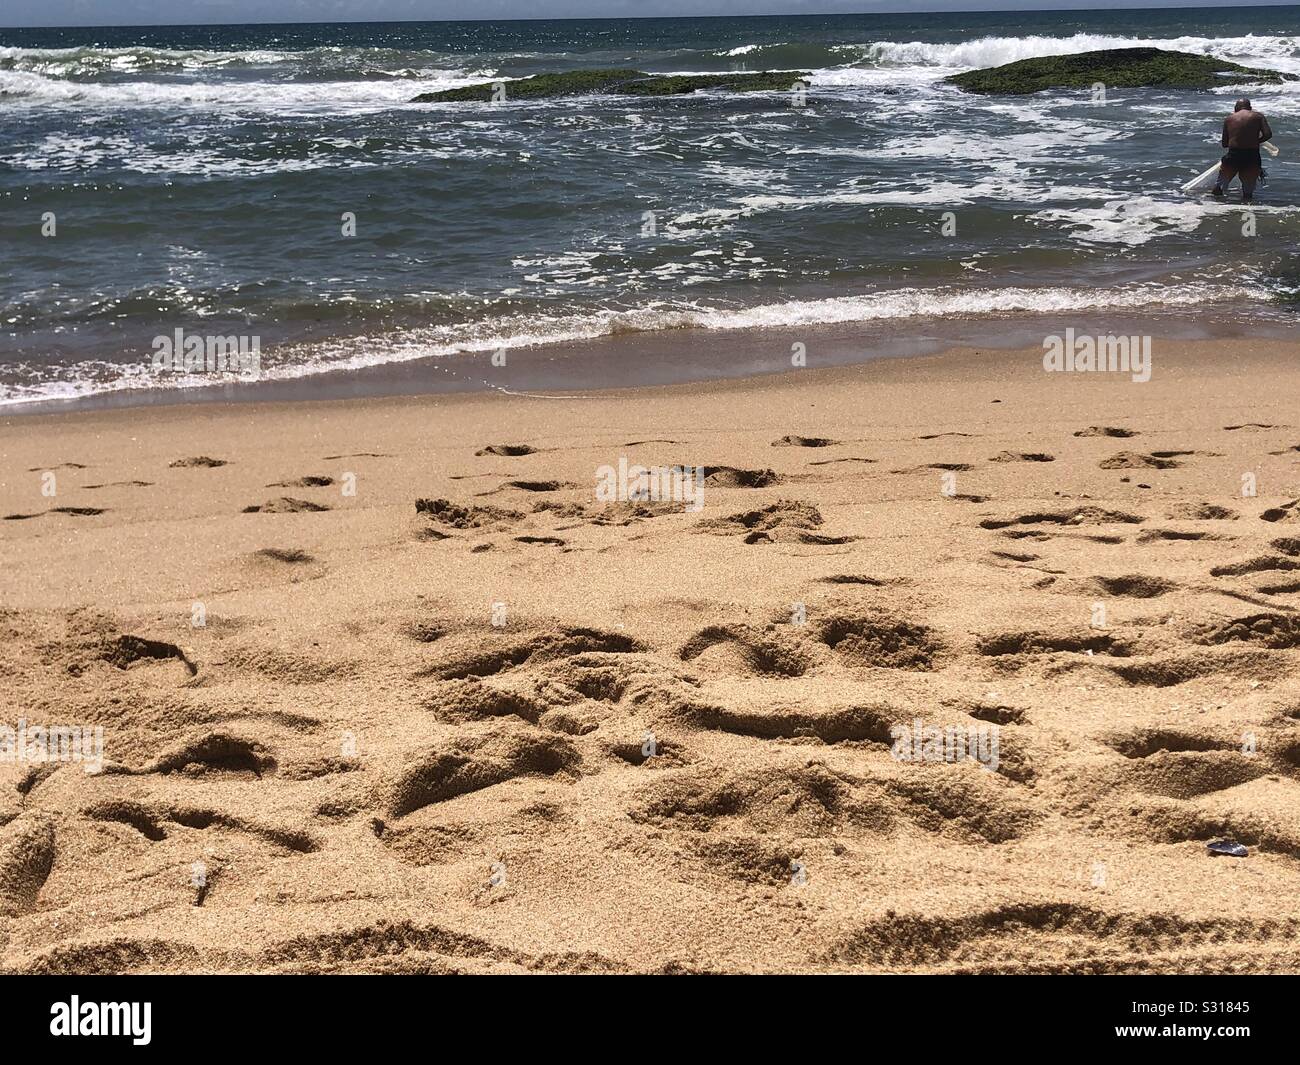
{"x": 198, "y": 178}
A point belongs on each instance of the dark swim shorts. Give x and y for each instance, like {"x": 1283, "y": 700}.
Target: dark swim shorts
{"x": 1243, "y": 158}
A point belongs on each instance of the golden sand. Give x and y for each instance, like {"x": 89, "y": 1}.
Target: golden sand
{"x": 526, "y": 729}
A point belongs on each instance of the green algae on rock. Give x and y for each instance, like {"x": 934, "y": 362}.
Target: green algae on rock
{"x": 1116, "y": 68}
{"x": 676, "y": 84}
{"x": 538, "y": 87}
{"x": 624, "y": 82}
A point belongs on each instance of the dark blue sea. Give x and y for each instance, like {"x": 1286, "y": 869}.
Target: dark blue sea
{"x": 198, "y": 178}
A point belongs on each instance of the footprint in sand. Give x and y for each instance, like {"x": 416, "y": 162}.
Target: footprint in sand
{"x": 477, "y": 654}
{"x": 1183, "y": 764}
{"x": 666, "y": 752}
{"x": 281, "y": 565}
{"x": 1025, "y": 560}
{"x": 1128, "y": 585}
{"x": 76, "y": 512}
{"x": 446, "y": 512}
{"x": 292, "y": 555}
{"x": 214, "y": 751}
{"x": 1087, "y": 515}
{"x": 1284, "y": 588}
{"x": 27, "y": 852}
{"x": 745, "y": 649}
{"x": 1022, "y": 456}
{"x": 310, "y": 481}
{"x": 947, "y": 467}
{"x": 1274, "y": 631}
{"x": 990, "y": 708}
{"x": 1258, "y": 564}
{"x": 733, "y": 477}
{"x": 1145, "y": 742}
{"x": 881, "y": 640}
{"x": 1045, "y": 643}
{"x": 1200, "y": 512}
{"x": 1016, "y": 556}
{"x": 199, "y": 462}
{"x": 804, "y": 441}
{"x": 859, "y": 578}
{"x": 154, "y": 820}
{"x": 1038, "y": 536}
{"x": 285, "y": 505}
{"x": 470, "y": 763}
{"x": 1106, "y": 430}
{"x": 785, "y": 521}
{"x": 508, "y": 450}
{"x": 127, "y": 650}
{"x": 835, "y": 724}
{"x": 128, "y": 812}
{"x": 1132, "y": 460}
{"x": 1287, "y": 512}
{"x": 1150, "y": 535}
{"x": 531, "y": 486}
{"x": 831, "y": 462}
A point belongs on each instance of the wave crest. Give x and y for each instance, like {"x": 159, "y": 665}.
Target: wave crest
{"x": 994, "y": 51}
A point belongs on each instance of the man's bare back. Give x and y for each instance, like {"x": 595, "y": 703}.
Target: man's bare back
{"x": 1245, "y": 129}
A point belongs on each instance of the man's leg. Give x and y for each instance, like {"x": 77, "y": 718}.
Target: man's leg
{"x": 1249, "y": 177}
{"x": 1226, "y": 173}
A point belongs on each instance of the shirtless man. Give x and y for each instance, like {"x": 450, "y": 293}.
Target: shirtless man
{"x": 1243, "y": 132}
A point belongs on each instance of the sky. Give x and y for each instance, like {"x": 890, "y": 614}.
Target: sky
{"x": 172, "y": 12}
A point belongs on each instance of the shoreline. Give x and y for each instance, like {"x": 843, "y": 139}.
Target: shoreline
{"x": 669, "y": 357}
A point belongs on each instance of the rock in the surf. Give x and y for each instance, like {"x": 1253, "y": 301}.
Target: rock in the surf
{"x": 622, "y": 82}
{"x": 1115, "y": 68}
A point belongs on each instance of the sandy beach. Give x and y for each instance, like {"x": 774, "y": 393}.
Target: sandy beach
{"x": 957, "y": 666}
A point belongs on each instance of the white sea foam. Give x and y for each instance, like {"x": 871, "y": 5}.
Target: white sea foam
{"x": 515, "y": 332}
{"x": 24, "y": 88}
{"x": 390, "y": 77}
{"x": 1141, "y": 219}
{"x": 1280, "y": 52}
